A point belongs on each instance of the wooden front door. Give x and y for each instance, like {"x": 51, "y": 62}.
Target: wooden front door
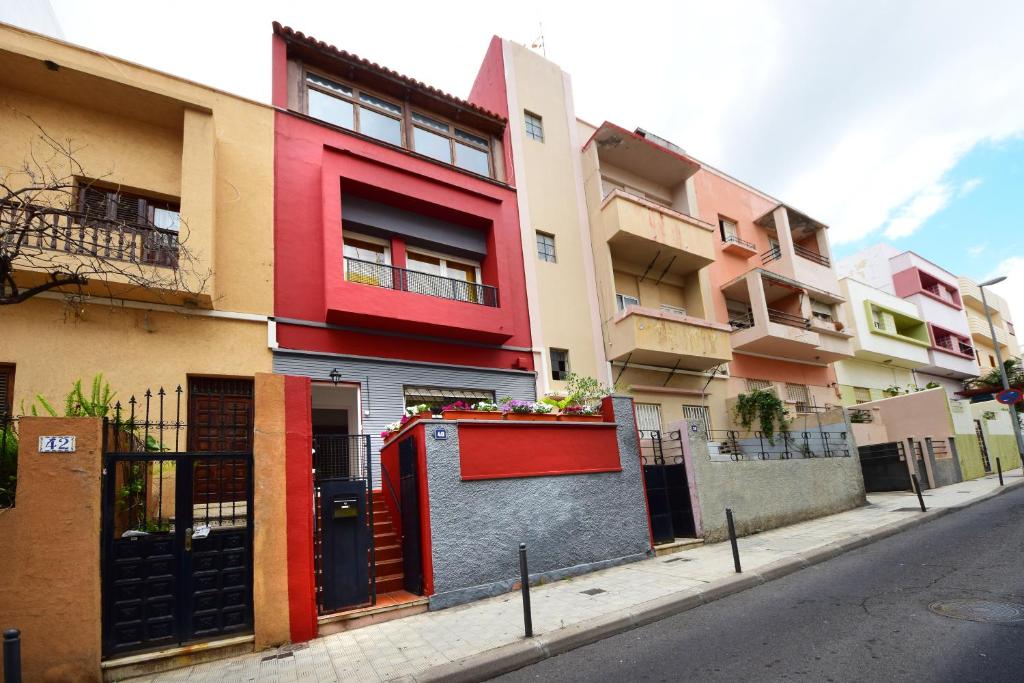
{"x": 220, "y": 417}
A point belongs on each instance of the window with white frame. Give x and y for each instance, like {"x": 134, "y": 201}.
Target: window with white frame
{"x": 559, "y": 364}
{"x": 648, "y": 418}
{"x": 534, "y": 126}
{"x": 546, "y": 247}
{"x": 822, "y": 311}
{"x": 624, "y": 301}
{"x": 442, "y": 141}
{"x": 352, "y": 108}
{"x": 760, "y": 385}
{"x": 453, "y": 278}
{"x": 700, "y": 413}
{"x": 727, "y": 228}
{"x": 367, "y": 260}
{"x": 675, "y": 310}
{"x": 798, "y": 394}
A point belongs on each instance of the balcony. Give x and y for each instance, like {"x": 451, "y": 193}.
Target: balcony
{"x": 731, "y": 244}
{"x": 815, "y": 257}
{"x": 654, "y": 337}
{"x": 405, "y": 280}
{"x": 981, "y": 333}
{"x": 646, "y": 233}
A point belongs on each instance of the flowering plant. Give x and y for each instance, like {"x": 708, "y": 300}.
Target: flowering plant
{"x": 391, "y": 428}
{"x": 517, "y": 406}
{"x": 458, "y": 405}
{"x": 487, "y": 407}
{"x": 413, "y": 411}
{"x": 581, "y": 410}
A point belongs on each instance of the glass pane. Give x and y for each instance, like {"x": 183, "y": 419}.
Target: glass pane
{"x": 461, "y": 271}
{"x": 424, "y": 276}
{"x": 166, "y": 219}
{"x": 432, "y": 145}
{"x": 422, "y": 263}
{"x": 330, "y": 85}
{"x": 377, "y": 102}
{"x": 364, "y": 251}
{"x": 471, "y": 159}
{"x": 473, "y": 139}
{"x": 330, "y": 109}
{"x": 431, "y": 123}
{"x": 380, "y": 126}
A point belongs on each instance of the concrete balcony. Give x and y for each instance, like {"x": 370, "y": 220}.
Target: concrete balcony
{"x": 643, "y": 232}
{"x": 786, "y": 335}
{"x": 981, "y": 333}
{"x": 653, "y": 337}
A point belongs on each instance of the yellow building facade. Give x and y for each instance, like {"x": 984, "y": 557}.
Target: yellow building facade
{"x": 202, "y": 157}
{"x": 981, "y": 335}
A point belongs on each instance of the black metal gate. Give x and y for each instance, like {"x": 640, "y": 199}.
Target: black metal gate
{"x": 343, "y": 521}
{"x": 884, "y": 466}
{"x": 408, "y": 486}
{"x": 176, "y": 556}
{"x": 979, "y": 433}
{"x": 668, "y": 490}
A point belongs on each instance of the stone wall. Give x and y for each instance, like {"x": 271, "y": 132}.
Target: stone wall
{"x": 570, "y": 523}
{"x": 765, "y": 494}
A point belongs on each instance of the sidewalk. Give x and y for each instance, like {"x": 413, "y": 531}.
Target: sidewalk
{"x": 485, "y": 638}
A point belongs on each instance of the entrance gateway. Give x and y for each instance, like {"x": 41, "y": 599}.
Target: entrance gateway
{"x": 177, "y": 518}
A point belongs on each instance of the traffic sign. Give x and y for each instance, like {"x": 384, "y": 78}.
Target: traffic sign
{"x": 1009, "y": 396}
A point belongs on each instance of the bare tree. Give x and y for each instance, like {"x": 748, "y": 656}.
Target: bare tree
{"x": 53, "y": 238}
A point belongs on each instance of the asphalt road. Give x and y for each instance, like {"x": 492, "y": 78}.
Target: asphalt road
{"x": 863, "y": 616}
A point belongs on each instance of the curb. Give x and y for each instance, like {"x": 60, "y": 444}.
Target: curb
{"x": 521, "y": 653}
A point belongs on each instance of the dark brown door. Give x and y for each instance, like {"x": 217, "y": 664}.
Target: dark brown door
{"x": 220, "y": 415}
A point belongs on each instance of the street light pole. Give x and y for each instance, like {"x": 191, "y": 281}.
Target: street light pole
{"x": 999, "y": 359}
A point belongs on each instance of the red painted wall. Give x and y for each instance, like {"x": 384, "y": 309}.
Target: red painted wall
{"x": 313, "y": 165}
{"x": 489, "y": 450}
{"x": 490, "y": 91}
{"x": 299, "y": 508}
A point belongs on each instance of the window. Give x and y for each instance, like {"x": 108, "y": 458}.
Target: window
{"x": 367, "y": 260}
{"x": 104, "y": 209}
{"x": 624, "y": 301}
{"x": 608, "y": 186}
{"x": 559, "y": 364}
{"x": 6, "y": 390}
{"x": 760, "y": 385}
{"x": 438, "y": 397}
{"x": 861, "y": 394}
{"x": 648, "y": 418}
{"x": 673, "y": 309}
{"x": 822, "y": 310}
{"x": 1009, "y": 328}
{"x": 699, "y": 413}
{"x": 534, "y": 127}
{"x": 454, "y": 278}
{"x": 796, "y": 392}
{"x": 991, "y": 360}
{"x": 546, "y": 247}
{"x": 877, "y": 319}
{"x": 355, "y": 109}
{"x": 728, "y": 229}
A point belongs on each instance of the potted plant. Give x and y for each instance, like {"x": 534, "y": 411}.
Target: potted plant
{"x": 580, "y": 414}
{"x": 517, "y": 410}
{"x": 391, "y": 429}
{"x": 416, "y": 413}
{"x": 460, "y": 410}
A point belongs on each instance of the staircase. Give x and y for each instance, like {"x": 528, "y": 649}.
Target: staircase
{"x": 387, "y": 548}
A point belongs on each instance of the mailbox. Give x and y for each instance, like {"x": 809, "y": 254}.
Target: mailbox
{"x": 345, "y": 506}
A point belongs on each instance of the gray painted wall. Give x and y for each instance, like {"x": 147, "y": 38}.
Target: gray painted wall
{"x": 571, "y": 523}
{"x": 382, "y": 381}
{"x": 946, "y": 470}
{"x": 383, "y": 220}
{"x": 765, "y": 494}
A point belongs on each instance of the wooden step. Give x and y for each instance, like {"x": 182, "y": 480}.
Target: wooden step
{"x": 388, "y": 567}
{"x": 393, "y": 582}
{"x": 387, "y": 552}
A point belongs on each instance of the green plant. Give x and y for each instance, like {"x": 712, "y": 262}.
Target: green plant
{"x": 989, "y": 415}
{"x": 8, "y": 464}
{"x": 993, "y": 379}
{"x": 76, "y": 404}
{"x": 763, "y": 406}
{"x": 580, "y": 390}
{"x": 892, "y": 390}
{"x": 932, "y": 385}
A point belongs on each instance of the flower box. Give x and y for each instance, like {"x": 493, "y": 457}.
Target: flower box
{"x": 471, "y": 415}
{"x": 580, "y": 418}
{"x": 531, "y": 417}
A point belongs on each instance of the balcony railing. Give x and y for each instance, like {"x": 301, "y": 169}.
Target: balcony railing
{"x": 806, "y": 253}
{"x": 772, "y": 254}
{"x": 82, "y": 235}
{"x": 733, "y": 239}
{"x": 742, "y": 322}
{"x": 790, "y": 319}
{"x": 391, "y": 277}
{"x": 955, "y": 345}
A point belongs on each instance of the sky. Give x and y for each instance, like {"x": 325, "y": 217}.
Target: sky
{"x": 888, "y": 121}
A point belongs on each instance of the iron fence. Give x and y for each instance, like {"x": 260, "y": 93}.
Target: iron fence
{"x": 661, "y": 447}
{"x": 814, "y": 256}
{"x": 742, "y": 322}
{"x": 392, "y": 277}
{"x": 735, "y": 445}
{"x": 8, "y": 459}
{"x": 790, "y": 319}
{"x": 743, "y": 243}
{"x": 772, "y": 254}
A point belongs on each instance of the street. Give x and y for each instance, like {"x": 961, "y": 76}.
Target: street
{"x": 863, "y": 616}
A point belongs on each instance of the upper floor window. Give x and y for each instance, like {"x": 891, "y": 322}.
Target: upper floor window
{"x": 6, "y": 392}
{"x": 1009, "y": 328}
{"x": 445, "y": 276}
{"x": 356, "y": 109}
{"x": 822, "y": 311}
{"x": 677, "y": 310}
{"x": 546, "y": 247}
{"x": 728, "y": 229}
{"x": 861, "y": 394}
{"x": 368, "y": 261}
{"x": 624, "y": 301}
{"x": 760, "y": 385}
{"x": 153, "y": 225}
{"x": 534, "y": 126}
{"x": 559, "y": 364}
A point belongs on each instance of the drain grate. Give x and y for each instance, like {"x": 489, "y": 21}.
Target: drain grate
{"x": 593, "y": 591}
{"x": 986, "y": 611}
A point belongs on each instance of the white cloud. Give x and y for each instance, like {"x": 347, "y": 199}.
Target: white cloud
{"x": 969, "y": 186}
{"x": 977, "y": 250}
{"x": 927, "y": 203}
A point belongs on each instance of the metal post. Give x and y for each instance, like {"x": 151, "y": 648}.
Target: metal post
{"x": 524, "y": 579}
{"x": 12, "y": 656}
{"x": 1002, "y": 370}
{"x": 917, "y": 490}
{"x": 999, "y": 468}
{"x": 732, "y": 540}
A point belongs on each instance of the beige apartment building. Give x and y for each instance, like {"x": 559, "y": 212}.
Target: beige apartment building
{"x": 981, "y": 335}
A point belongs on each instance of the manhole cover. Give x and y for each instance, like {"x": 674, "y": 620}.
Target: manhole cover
{"x": 594, "y": 591}
{"x": 986, "y": 611}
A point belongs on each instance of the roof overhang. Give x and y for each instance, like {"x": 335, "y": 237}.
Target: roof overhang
{"x": 798, "y": 220}
{"x": 637, "y": 154}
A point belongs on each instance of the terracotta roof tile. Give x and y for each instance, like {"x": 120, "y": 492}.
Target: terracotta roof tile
{"x": 291, "y": 34}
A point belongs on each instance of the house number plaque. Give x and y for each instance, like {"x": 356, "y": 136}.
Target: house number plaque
{"x": 56, "y": 444}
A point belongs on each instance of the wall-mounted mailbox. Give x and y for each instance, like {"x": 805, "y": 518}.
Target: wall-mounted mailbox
{"x": 345, "y": 506}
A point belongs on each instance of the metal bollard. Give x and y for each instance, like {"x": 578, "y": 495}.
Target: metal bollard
{"x": 524, "y": 579}
{"x": 999, "y": 468}
{"x": 732, "y": 540}
{"x": 917, "y": 490}
{"x": 12, "y": 656}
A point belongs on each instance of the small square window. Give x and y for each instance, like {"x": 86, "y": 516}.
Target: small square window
{"x": 546, "y": 247}
{"x": 6, "y": 391}
{"x": 760, "y": 385}
{"x": 534, "y": 126}
{"x": 559, "y": 364}
{"x": 624, "y": 301}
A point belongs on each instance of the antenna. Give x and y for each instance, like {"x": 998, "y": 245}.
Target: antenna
{"x": 539, "y": 40}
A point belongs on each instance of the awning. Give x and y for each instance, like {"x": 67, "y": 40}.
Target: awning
{"x": 416, "y": 395}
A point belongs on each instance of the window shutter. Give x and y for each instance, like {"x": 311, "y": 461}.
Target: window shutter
{"x": 6, "y": 398}
{"x": 93, "y": 202}
{"x": 130, "y": 210}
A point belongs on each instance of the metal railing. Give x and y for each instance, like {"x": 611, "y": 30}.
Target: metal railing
{"x": 860, "y": 416}
{"x": 733, "y": 239}
{"x": 772, "y": 254}
{"x": 659, "y": 447}
{"x": 742, "y": 322}
{"x": 82, "y": 234}
{"x": 806, "y": 253}
{"x": 737, "y": 445}
{"x": 392, "y": 277}
{"x": 790, "y": 319}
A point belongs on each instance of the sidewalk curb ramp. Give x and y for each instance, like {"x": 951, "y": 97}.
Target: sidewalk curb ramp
{"x": 522, "y": 653}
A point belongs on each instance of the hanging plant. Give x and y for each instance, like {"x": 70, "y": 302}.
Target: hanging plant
{"x": 989, "y": 415}
{"x": 763, "y": 406}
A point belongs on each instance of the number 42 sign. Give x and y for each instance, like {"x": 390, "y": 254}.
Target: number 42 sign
{"x": 56, "y": 444}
